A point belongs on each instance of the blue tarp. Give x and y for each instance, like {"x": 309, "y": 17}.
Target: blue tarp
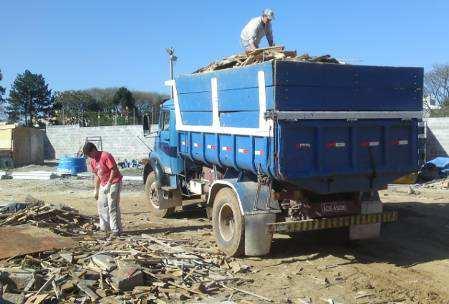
{"x": 13, "y": 207}
{"x": 442, "y": 163}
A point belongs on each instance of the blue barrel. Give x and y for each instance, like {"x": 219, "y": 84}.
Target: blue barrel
{"x": 72, "y": 165}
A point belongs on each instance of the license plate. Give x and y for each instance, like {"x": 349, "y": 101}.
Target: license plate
{"x": 332, "y": 208}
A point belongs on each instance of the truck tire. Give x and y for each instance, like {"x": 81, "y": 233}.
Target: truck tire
{"x": 228, "y": 223}
{"x": 152, "y": 197}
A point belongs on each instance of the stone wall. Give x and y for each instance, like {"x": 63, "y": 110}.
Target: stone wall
{"x": 124, "y": 142}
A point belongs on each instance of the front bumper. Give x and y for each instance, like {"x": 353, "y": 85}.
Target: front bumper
{"x": 330, "y": 223}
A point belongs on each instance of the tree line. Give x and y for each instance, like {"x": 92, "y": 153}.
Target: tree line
{"x": 436, "y": 90}
{"x": 32, "y": 103}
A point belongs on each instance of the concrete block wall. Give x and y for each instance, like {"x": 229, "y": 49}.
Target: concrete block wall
{"x": 124, "y": 142}
{"x": 437, "y": 143}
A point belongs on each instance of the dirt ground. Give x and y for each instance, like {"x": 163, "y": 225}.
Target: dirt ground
{"x": 408, "y": 264}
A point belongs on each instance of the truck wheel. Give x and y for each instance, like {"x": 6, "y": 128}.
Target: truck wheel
{"x": 152, "y": 197}
{"x": 228, "y": 224}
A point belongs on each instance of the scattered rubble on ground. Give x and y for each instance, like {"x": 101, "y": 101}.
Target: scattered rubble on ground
{"x": 418, "y": 189}
{"x": 60, "y": 219}
{"x": 439, "y": 184}
{"x": 395, "y": 269}
{"x": 261, "y": 55}
{"x": 97, "y": 268}
{"x": 133, "y": 269}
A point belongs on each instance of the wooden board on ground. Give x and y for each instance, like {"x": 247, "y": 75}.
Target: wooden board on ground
{"x": 25, "y": 239}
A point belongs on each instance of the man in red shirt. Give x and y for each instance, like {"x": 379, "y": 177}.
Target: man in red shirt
{"x": 108, "y": 183}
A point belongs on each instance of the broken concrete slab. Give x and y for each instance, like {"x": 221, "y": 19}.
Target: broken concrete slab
{"x": 104, "y": 262}
{"x": 68, "y": 287}
{"x": 127, "y": 276}
{"x": 18, "y": 279}
{"x": 68, "y": 256}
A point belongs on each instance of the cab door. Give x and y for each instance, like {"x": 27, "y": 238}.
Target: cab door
{"x": 168, "y": 145}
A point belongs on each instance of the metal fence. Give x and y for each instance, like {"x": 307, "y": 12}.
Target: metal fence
{"x": 95, "y": 119}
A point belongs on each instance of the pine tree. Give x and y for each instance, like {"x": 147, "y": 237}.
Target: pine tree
{"x": 30, "y": 99}
{"x": 2, "y": 100}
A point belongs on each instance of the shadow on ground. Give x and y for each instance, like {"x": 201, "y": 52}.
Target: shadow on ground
{"x": 176, "y": 229}
{"x": 420, "y": 235}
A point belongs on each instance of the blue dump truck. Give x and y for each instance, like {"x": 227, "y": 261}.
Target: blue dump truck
{"x": 284, "y": 147}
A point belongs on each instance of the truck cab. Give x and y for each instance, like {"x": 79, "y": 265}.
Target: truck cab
{"x": 162, "y": 171}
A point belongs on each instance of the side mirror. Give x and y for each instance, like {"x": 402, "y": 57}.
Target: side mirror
{"x": 146, "y": 125}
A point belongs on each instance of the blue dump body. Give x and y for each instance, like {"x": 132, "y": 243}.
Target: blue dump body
{"x": 327, "y": 128}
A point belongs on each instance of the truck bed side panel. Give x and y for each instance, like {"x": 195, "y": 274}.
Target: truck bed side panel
{"x": 334, "y": 87}
{"x": 331, "y": 152}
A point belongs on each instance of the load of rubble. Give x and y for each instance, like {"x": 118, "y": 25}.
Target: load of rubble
{"x": 261, "y": 55}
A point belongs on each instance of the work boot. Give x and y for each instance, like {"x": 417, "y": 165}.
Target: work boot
{"x": 113, "y": 236}
{"x": 116, "y": 234}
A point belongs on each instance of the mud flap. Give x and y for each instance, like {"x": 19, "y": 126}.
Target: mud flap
{"x": 257, "y": 235}
{"x": 367, "y": 231}
{"x": 169, "y": 199}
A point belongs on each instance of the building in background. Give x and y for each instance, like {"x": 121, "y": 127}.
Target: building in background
{"x": 20, "y": 146}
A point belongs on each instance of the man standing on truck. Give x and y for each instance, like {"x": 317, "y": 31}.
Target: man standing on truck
{"x": 107, "y": 183}
{"x": 256, "y": 29}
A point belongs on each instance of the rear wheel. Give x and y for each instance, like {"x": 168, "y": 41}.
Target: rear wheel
{"x": 228, "y": 224}
{"x": 152, "y": 197}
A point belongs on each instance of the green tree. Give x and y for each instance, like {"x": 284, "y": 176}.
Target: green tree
{"x": 103, "y": 98}
{"x": 148, "y": 103}
{"x": 107, "y": 103}
{"x": 2, "y": 100}
{"x": 124, "y": 101}
{"x": 30, "y": 100}
{"x": 71, "y": 106}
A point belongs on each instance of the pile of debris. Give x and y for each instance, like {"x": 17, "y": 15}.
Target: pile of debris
{"x": 438, "y": 184}
{"x": 135, "y": 269}
{"x": 60, "y": 219}
{"x": 261, "y": 55}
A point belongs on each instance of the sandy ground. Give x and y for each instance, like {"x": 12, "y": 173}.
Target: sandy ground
{"x": 408, "y": 264}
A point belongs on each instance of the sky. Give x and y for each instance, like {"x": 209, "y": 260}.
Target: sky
{"x": 81, "y": 44}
